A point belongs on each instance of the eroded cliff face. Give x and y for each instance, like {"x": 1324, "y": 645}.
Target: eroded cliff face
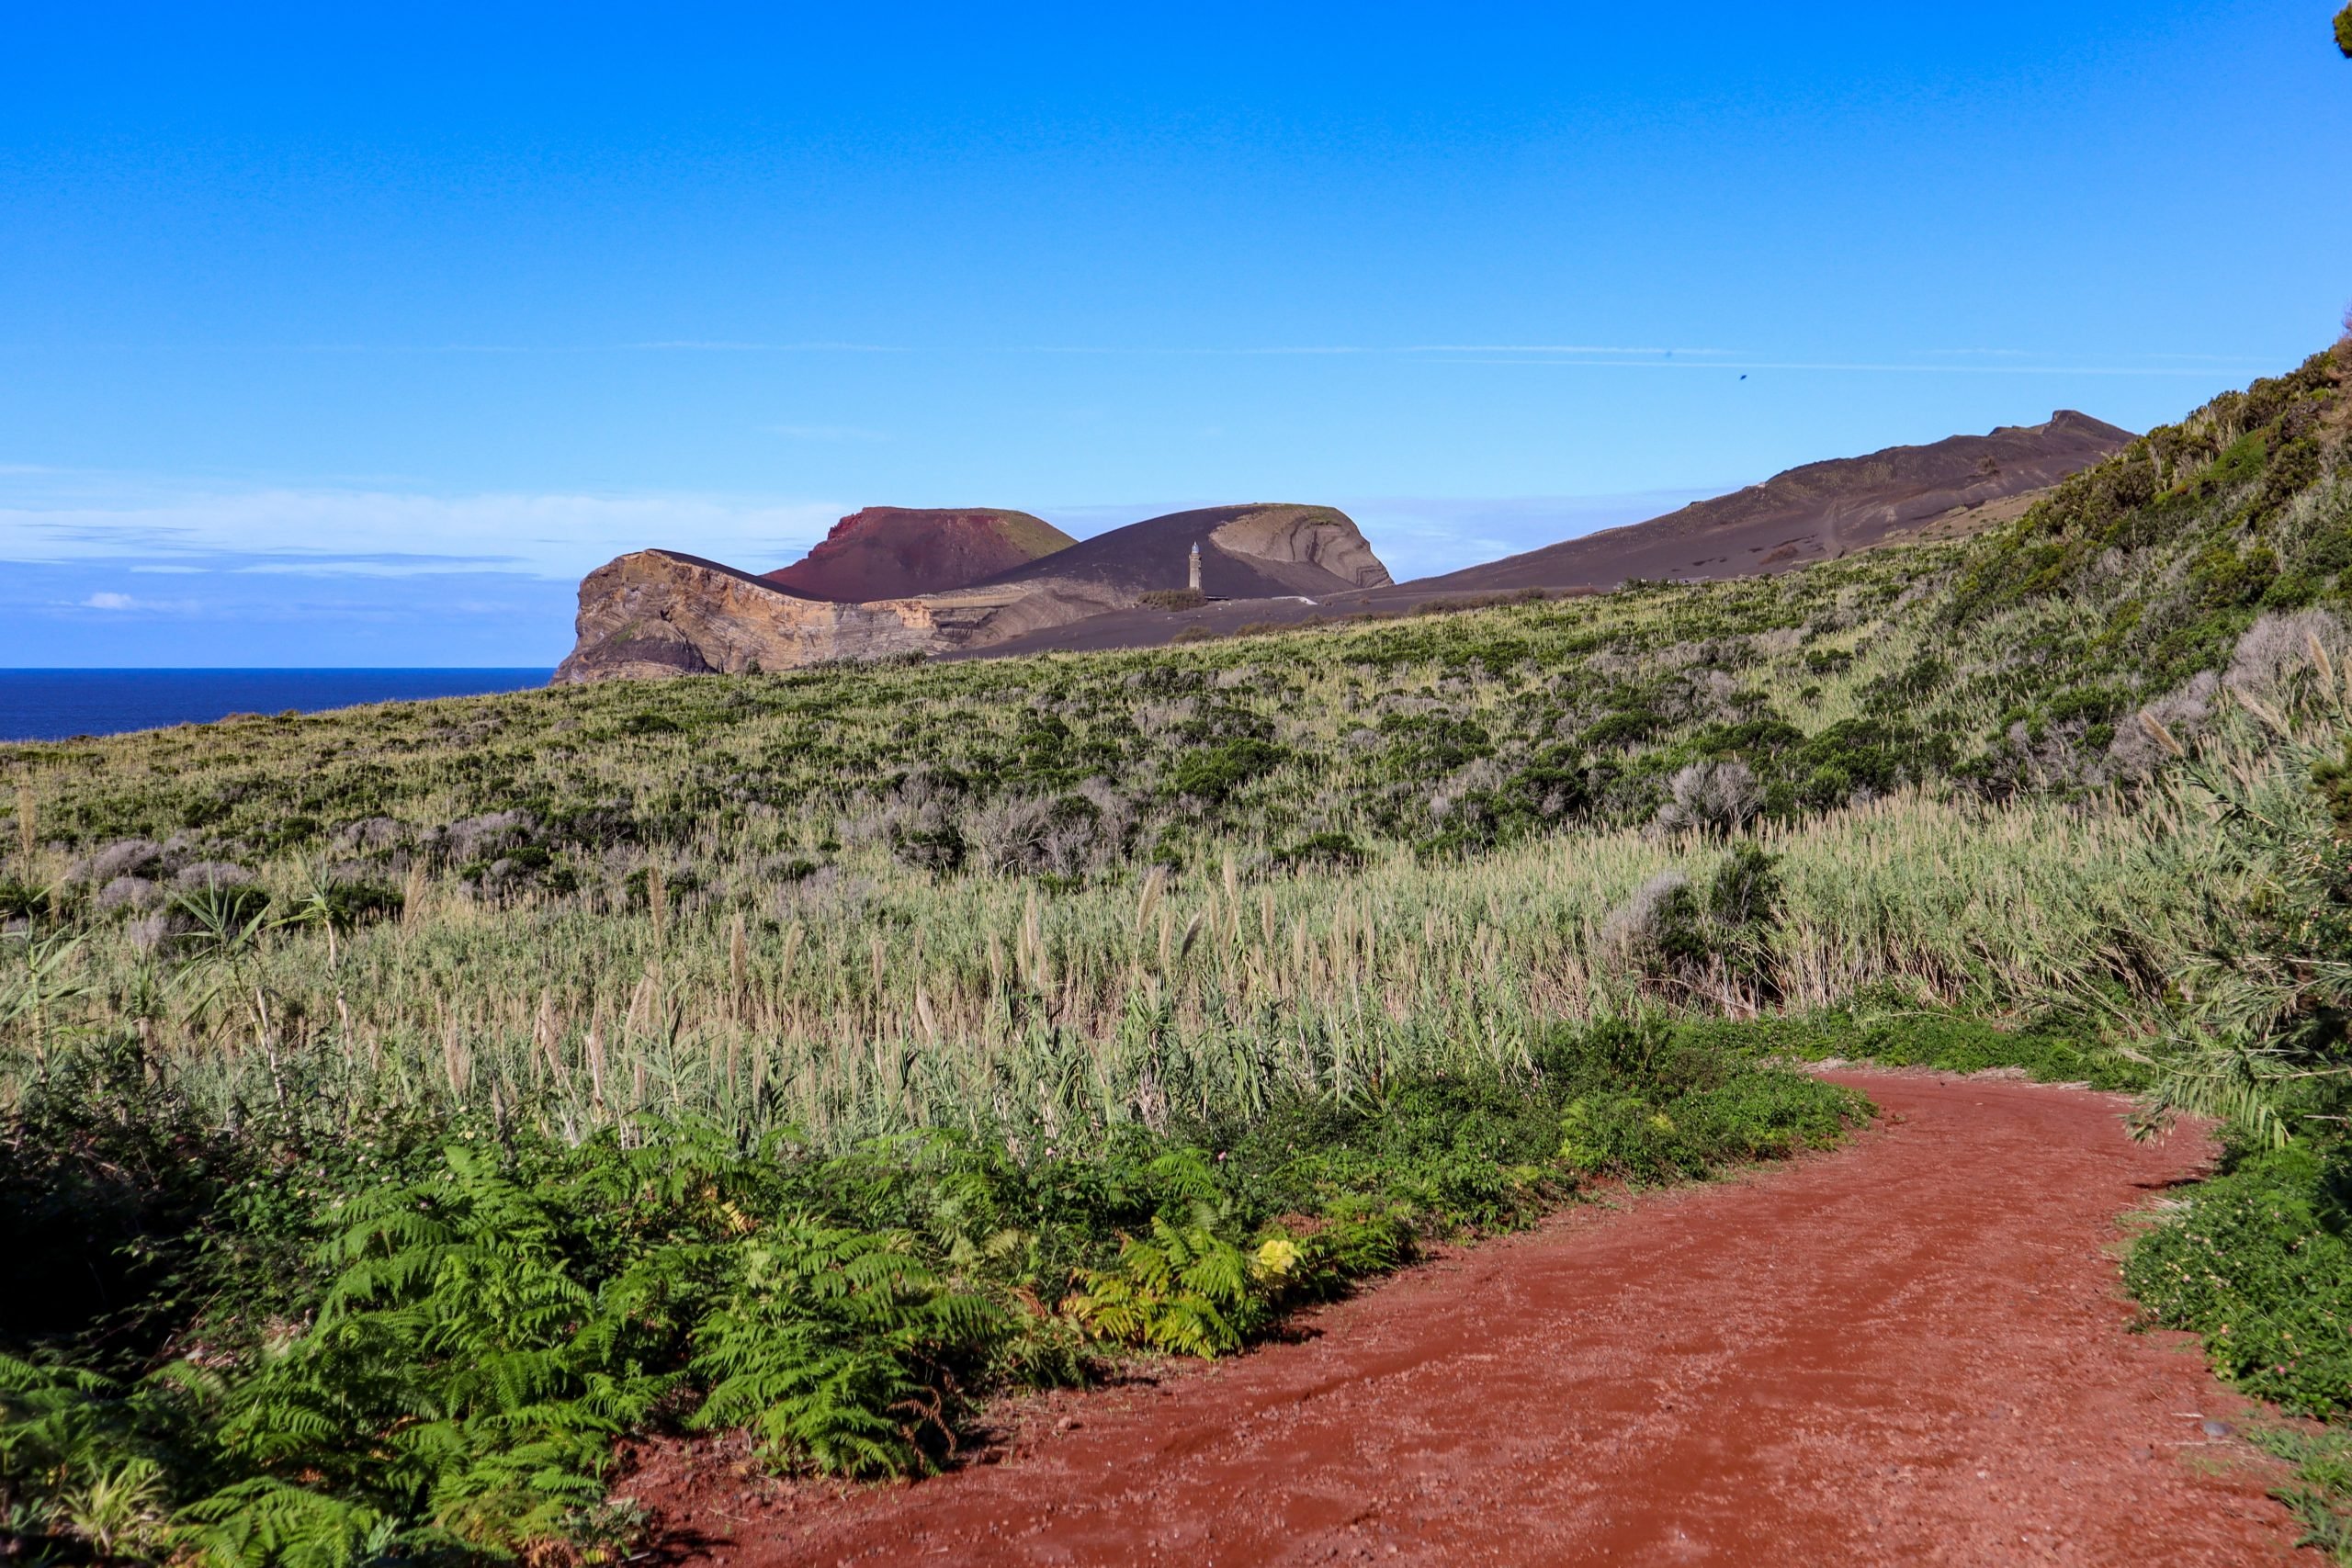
{"x": 658, "y": 613}
{"x": 1320, "y": 536}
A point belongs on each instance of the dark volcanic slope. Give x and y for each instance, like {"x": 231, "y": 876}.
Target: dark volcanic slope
{"x": 1809, "y": 513}
{"x": 1258, "y": 551}
{"x": 895, "y": 552}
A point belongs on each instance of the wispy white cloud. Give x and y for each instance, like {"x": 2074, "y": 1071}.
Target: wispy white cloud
{"x": 165, "y": 527}
{"x": 1570, "y": 348}
{"x": 1840, "y": 366}
{"x": 1368, "y": 350}
{"x": 75, "y": 612}
{"x": 111, "y": 603}
{"x": 827, "y": 433}
{"x": 672, "y": 345}
{"x": 1605, "y": 357}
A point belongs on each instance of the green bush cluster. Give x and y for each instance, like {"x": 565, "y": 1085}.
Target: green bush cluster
{"x": 2209, "y": 506}
{"x": 1754, "y": 1116}
{"x": 1214, "y": 771}
{"x": 1688, "y": 934}
{"x": 21, "y": 900}
{"x": 2257, "y": 1262}
{"x": 421, "y": 1341}
{"x": 2050, "y": 1050}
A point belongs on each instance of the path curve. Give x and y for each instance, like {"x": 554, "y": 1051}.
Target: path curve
{"x": 1914, "y": 1349}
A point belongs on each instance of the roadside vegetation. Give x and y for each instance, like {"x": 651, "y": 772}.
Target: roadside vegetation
{"x": 400, "y": 1106}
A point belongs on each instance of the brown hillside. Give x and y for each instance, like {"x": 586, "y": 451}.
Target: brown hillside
{"x": 895, "y": 552}
{"x": 1812, "y": 513}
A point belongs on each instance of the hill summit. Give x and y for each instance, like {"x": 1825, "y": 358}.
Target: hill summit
{"x": 1265, "y": 549}
{"x": 895, "y": 552}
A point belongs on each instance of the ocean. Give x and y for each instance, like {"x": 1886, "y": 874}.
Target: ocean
{"x": 55, "y": 704}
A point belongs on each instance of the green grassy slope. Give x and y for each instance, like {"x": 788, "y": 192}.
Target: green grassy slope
{"x": 2008, "y": 662}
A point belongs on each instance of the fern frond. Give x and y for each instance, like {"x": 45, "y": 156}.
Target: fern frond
{"x": 268, "y": 1523}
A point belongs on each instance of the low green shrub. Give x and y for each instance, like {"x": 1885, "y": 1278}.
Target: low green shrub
{"x": 1683, "y": 935}
{"x": 1757, "y": 1116}
{"x": 2257, "y": 1262}
{"x": 2046, "y": 1052}
{"x": 350, "y": 904}
{"x": 939, "y": 849}
{"x": 1320, "y": 849}
{"x": 1214, "y": 771}
{"x": 21, "y": 900}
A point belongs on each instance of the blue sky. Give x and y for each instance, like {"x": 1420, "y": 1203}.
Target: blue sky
{"x": 355, "y": 335}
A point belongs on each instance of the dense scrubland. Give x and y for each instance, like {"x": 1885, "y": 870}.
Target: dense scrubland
{"x": 403, "y": 1105}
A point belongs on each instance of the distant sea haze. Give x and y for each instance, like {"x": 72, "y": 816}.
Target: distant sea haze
{"x": 57, "y": 704}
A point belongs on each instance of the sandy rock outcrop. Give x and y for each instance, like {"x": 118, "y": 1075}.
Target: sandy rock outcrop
{"x": 660, "y": 613}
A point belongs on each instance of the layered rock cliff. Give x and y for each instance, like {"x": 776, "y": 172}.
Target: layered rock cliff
{"x": 661, "y": 612}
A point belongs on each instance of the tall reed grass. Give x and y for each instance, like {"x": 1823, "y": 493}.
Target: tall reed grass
{"x": 890, "y": 999}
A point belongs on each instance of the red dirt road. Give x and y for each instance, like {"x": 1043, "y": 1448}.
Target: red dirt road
{"x": 1910, "y": 1351}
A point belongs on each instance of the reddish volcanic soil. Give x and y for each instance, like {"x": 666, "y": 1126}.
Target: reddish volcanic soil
{"x": 894, "y": 552}
{"x": 1911, "y": 1350}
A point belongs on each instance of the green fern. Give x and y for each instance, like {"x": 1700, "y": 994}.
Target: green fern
{"x": 265, "y": 1520}
{"x": 457, "y": 1374}
{"x": 437, "y": 1356}
{"x": 1185, "y": 1289}
{"x": 839, "y": 1347}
